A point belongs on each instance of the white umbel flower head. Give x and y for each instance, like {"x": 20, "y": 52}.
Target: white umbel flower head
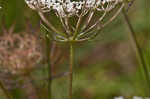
{"x": 68, "y": 8}
{"x": 81, "y": 13}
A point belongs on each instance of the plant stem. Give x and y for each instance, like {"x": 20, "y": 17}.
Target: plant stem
{"x": 138, "y": 50}
{"x": 47, "y": 40}
{"x": 5, "y": 91}
{"x": 71, "y": 70}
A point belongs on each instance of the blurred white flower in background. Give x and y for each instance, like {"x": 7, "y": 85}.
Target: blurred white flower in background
{"x": 120, "y": 97}
{"x": 137, "y": 97}
{"x": 147, "y": 98}
{"x": 19, "y": 53}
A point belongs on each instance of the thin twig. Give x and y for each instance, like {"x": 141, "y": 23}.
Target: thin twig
{"x": 139, "y": 53}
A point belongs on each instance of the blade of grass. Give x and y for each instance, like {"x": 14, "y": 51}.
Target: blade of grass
{"x": 139, "y": 53}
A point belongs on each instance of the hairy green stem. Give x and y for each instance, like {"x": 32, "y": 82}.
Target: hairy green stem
{"x": 5, "y": 91}
{"x": 71, "y": 70}
{"x": 138, "y": 50}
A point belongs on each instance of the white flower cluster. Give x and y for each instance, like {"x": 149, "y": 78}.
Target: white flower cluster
{"x": 66, "y": 8}
{"x": 43, "y": 5}
{"x": 135, "y": 97}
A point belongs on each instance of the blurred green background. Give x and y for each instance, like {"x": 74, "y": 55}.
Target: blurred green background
{"x": 105, "y": 67}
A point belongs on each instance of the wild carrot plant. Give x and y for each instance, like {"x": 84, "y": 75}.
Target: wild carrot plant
{"x": 76, "y": 18}
{"x": 64, "y": 21}
{"x": 75, "y": 21}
